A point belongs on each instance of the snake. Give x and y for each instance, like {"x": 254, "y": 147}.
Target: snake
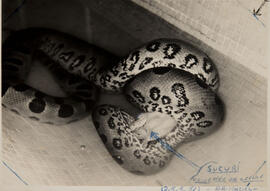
{"x": 169, "y": 77}
{"x": 165, "y": 78}
{"x": 73, "y": 62}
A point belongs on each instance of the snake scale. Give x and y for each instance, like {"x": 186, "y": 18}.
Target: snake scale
{"x": 165, "y": 76}
{"x": 74, "y": 63}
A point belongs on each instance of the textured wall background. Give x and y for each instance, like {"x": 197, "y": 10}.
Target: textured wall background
{"x": 226, "y": 25}
{"x": 231, "y": 36}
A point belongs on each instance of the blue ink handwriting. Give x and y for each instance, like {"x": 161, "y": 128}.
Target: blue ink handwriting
{"x": 255, "y": 178}
{"x": 257, "y": 12}
{"x": 14, "y": 173}
{"x": 180, "y": 188}
{"x": 212, "y": 168}
{"x": 235, "y": 188}
{"x": 212, "y": 171}
{"x": 167, "y": 146}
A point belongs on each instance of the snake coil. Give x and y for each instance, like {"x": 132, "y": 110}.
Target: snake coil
{"x": 165, "y": 76}
{"x": 74, "y": 64}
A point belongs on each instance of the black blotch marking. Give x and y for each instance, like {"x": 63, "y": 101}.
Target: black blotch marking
{"x": 188, "y": 59}
{"x": 34, "y": 118}
{"x": 182, "y": 116}
{"x": 126, "y": 142}
{"x": 57, "y": 49}
{"x": 151, "y": 143}
{"x": 77, "y": 62}
{"x": 139, "y": 96}
{"x": 90, "y": 65}
{"x": 165, "y": 100}
{"x": 197, "y": 115}
{"x": 103, "y": 111}
{"x": 171, "y": 50}
{"x": 125, "y": 117}
{"x": 120, "y": 131}
{"x": 137, "y": 154}
{"x": 103, "y": 138}
{"x": 114, "y": 71}
{"x": 4, "y": 106}
{"x": 141, "y": 141}
{"x": 37, "y": 105}
{"x": 117, "y": 143}
{"x": 180, "y": 93}
{"x": 132, "y": 66}
{"x": 145, "y": 108}
{"x": 146, "y": 61}
{"x": 161, "y": 164}
{"x": 118, "y": 159}
{"x": 179, "y": 110}
{"x": 154, "y": 93}
{"x": 204, "y": 124}
{"x": 111, "y": 123}
{"x": 135, "y": 56}
{"x": 154, "y": 161}
{"x": 154, "y": 106}
{"x": 160, "y": 110}
{"x": 146, "y": 161}
{"x": 66, "y": 56}
{"x": 13, "y": 61}
{"x": 124, "y": 76}
{"x": 153, "y": 46}
{"x": 188, "y": 120}
{"x": 161, "y": 70}
{"x": 171, "y": 65}
{"x": 107, "y": 78}
{"x": 65, "y": 111}
{"x": 214, "y": 81}
{"x": 207, "y": 65}
{"x": 123, "y": 63}
{"x": 115, "y": 115}
{"x": 201, "y": 83}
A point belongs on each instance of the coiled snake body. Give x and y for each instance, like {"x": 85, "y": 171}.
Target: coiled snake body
{"x": 74, "y": 64}
{"x": 167, "y": 76}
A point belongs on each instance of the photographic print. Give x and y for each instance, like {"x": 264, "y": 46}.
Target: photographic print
{"x": 163, "y": 94}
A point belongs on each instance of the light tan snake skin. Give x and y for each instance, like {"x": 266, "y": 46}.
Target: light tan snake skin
{"x": 167, "y": 76}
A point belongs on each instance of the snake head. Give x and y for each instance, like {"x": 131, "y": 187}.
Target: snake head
{"x": 152, "y": 121}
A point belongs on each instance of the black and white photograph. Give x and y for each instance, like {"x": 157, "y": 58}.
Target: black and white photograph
{"x": 166, "y": 95}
